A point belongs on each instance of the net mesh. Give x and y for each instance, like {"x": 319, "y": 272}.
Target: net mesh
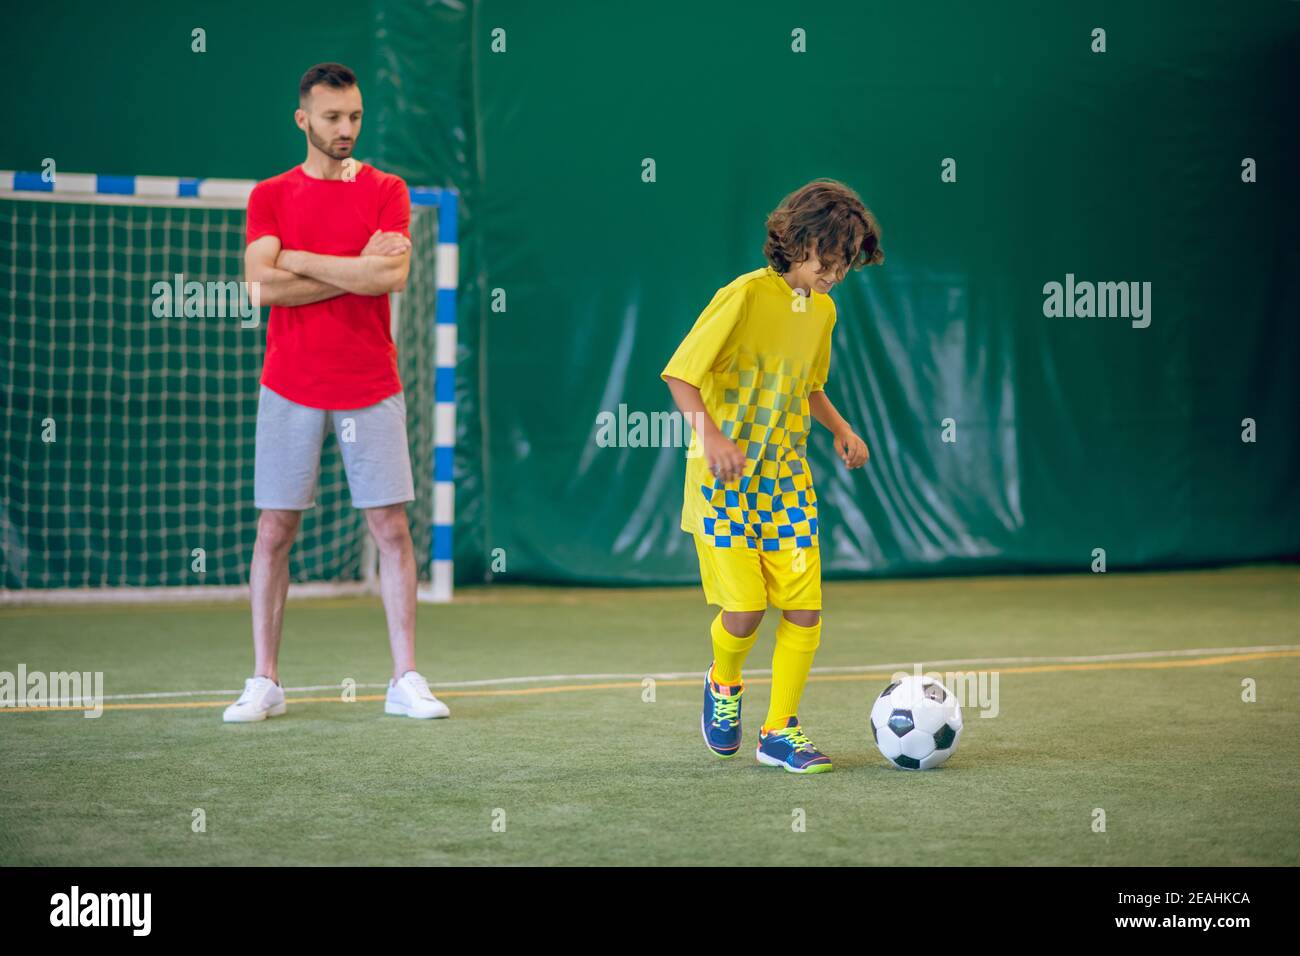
{"x": 129, "y": 438}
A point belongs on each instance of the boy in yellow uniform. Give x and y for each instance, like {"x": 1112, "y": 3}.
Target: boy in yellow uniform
{"x": 751, "y": 373}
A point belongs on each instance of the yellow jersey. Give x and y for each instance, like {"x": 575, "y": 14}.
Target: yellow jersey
{"x": 756, "y": 356}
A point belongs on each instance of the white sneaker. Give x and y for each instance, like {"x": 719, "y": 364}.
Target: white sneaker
{"x": 262, "y": 698}
{"x": 411, "y": 696}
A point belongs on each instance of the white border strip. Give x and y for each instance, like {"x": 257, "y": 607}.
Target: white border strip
{"x": 55, "y": 597}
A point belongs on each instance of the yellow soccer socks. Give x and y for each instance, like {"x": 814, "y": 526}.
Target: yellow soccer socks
{"x": 791, "y": 661}
{"x": 729, "y": 653}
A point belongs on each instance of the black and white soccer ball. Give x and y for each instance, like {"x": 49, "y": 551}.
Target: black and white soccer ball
{"x": 916, "y": 723}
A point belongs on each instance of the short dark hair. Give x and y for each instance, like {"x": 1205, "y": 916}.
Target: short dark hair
{"x": 334, "y": 75}
{"x": 830, "y": 212}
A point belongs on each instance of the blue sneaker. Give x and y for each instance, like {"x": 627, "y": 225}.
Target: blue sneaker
{"x": 788, "y": 747}
{"x": 720, "y": 722}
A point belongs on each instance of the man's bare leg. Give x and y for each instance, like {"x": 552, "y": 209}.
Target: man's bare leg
{"x": 397, "y": 581}
{"x": 268, "y": 585}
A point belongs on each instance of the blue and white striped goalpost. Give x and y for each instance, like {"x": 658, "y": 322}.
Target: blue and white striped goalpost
{"x": 444, "y": 388}
{"x": 233, "y": 193}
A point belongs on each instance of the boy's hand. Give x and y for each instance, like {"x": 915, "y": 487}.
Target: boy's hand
{"x": 386, "y": 244}
{"x": 725, "y": 460}
{"x": 851, "y": 449}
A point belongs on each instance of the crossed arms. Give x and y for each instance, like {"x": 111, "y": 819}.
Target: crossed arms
{"x": 294, "y": 277}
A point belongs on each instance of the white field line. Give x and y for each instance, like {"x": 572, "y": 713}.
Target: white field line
{"x": 681, "y": 675}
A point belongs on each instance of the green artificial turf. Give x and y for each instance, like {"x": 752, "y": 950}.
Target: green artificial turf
{"x": 1186, "y": 772}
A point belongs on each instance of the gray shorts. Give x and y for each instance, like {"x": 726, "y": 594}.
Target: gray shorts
{"x": 289, "y": 441}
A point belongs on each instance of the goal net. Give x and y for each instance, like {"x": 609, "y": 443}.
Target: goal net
{"x": 130, "y": 411}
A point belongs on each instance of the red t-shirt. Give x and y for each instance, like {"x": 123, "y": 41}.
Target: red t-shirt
{"x": 336, "y": 354}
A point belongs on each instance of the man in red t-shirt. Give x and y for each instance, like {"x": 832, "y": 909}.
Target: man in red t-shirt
{"x": 327, "y": 241}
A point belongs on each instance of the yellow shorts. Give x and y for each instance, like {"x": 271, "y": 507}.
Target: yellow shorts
{"x": 746, "y": 579}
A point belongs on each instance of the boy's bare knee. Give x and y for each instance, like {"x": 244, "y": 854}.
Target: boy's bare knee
{"x": 803, "y": 618}
{"x": 741, "y": 623}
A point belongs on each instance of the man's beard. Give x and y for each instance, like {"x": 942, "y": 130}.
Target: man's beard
{"x": 323, "y": 146}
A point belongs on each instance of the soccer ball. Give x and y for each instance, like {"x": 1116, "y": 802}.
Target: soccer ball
{"x": 916, "y": 723}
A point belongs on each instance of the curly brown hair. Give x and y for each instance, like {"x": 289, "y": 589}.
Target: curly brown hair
{"x": 831, "y": 213}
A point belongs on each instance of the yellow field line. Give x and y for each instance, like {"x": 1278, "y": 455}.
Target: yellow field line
{"x": 628, "y": 685}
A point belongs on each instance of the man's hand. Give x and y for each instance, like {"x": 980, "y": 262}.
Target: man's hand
{"x": 371, "y": 273}
{"x": 386, "y": 244}
{"x": 851, "y": 449}
{"x": 275, "y": 286}
{"x": 725, "y": 460}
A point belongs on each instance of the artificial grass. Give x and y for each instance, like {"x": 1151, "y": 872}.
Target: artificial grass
{"x": 1186, "y": 772}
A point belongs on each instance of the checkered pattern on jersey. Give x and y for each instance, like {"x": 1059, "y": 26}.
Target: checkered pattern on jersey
{"x": 772, "y": 506}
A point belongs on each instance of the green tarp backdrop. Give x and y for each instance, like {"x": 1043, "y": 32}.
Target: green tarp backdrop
{"x": 1071, "y": 433}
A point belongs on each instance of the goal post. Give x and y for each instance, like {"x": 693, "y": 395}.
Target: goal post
{"x": 129, "y": 368}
